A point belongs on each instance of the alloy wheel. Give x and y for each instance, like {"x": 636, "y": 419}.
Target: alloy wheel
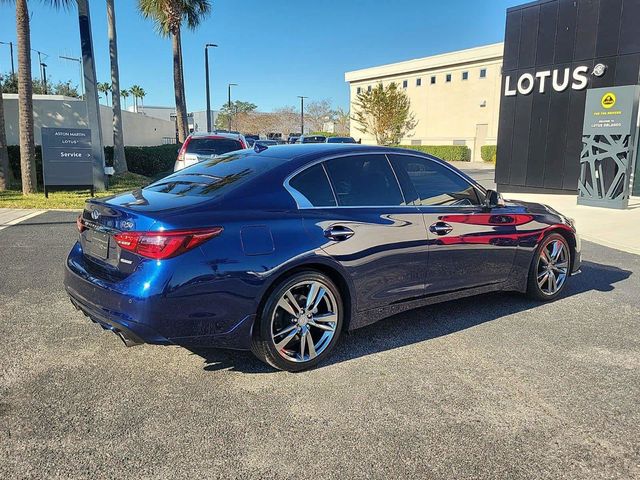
{"x": 304, "y": 321}
{"x": 553, "y": 267}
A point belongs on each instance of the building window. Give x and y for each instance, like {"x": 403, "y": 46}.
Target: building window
{"x": 448, "y": 77}
{"x": 369, "y": 88}
{"x": 358, "y": 90}
{"x": 433, "y": 80}
{"x": 483, "y": 73}
{"x": 418, "y": 82}
{"x": 405, "y": 84}
{"x": 465, "y": 75}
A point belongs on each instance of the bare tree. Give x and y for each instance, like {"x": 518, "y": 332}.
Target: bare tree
{"x": 317, "y": 113}
{"x": 343, "y": 123}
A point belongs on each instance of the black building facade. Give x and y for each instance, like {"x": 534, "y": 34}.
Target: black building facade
{"x": 554, "y": 51}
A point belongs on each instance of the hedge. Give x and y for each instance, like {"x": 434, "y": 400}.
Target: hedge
{"x": 147, "y": 161}
{"x": 450, "y": 153}
{"x": 488, "y": 153}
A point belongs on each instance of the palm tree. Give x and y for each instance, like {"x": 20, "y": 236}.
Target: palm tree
{"x": 168, "y": 16}
{"x": 136, "y": 90}
{"x": 124, "y": 93}
{"x": 104, "y": 87}
{"x": 119, "y": 160}
{"x": 4, "y": 154}
{"x": 141, "y": 95}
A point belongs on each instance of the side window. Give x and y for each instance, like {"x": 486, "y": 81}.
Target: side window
{"x": 432, "y": 184}
{"x": 364, "y": 180}
{"x": 313, "y": 185}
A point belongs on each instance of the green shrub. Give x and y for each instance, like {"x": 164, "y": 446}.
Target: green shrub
{"x": 450, "y": 153}
{"x": 14, "y": 163}
{"x": 147, "y": 161}
{"x": 488, "y": 153}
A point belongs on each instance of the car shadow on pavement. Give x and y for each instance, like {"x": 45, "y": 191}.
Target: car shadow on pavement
{"x": 425, "y": 323}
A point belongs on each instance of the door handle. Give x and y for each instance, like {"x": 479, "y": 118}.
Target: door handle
{"x": 338, "y": 233}
{"x": 440, "y": 228}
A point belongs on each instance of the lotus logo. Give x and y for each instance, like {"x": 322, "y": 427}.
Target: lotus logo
{"x": 95, "y": 214}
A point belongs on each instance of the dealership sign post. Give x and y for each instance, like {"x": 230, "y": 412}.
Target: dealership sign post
{"x": 67, "y": 158}
{"x": 609, "y": 137}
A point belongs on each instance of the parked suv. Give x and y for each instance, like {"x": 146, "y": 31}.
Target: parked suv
{"x": 205, "y": 146}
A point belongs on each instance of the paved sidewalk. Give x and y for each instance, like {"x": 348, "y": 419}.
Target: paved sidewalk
{"x": 11, "y": 216}
{"x": 619, "y": 229}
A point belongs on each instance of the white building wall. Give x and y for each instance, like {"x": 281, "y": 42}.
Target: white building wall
{"x": 447, "y": 112}
{"x": 66, "y": 112}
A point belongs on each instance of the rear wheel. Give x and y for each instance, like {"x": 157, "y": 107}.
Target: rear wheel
{"x": 300, "y": 322}
{"x": 550, "y": 268}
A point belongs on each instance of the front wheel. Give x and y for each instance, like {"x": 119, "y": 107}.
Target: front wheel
{"x": 300, "y": 322}
{"x": 550, "y": 268}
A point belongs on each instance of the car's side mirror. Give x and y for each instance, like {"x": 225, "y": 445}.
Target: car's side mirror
{"x": 493, "y": 199}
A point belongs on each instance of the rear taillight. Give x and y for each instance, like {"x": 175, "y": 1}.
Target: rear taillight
{"x": 162, "y": 245}
{"x": 183, "y": 149}
{"x": 80, "y": 224}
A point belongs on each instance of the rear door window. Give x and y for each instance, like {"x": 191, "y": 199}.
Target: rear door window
{"x": 364, "y": 181}
{"x": 213, "y": 146}
{"x": 314, "y": 187}
{"x": 426, "y": 182}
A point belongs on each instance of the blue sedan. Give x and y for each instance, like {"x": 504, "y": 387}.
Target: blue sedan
{"x": 280, "y": 249}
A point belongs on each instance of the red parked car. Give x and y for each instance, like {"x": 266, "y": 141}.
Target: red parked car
{"x": 205, "y": 146}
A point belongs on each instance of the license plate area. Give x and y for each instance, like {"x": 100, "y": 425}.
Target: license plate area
{"x": 96, "y": 244}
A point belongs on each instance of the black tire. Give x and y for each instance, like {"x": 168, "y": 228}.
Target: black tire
{"x": 273, "y": 316}
{"x": 534, "y": 290}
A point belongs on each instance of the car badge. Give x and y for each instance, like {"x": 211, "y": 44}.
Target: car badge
{"x": 95, "y": 214}
{"x": 126, "y": 225}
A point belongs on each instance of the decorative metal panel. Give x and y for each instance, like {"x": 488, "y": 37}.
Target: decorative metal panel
{"x": 604, "y": 169}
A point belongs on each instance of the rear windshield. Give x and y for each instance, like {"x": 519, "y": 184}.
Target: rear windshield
{"x": 214, "y": 177}
{"x": 212, "y": 146}
{"x": 314, "y": 139}
{"x": 340, "y": 140}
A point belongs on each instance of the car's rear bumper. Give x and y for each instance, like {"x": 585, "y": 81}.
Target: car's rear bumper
{"x": 152, "y": 316}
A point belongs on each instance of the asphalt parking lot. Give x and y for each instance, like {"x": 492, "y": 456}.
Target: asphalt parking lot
{"x": 488, "y": 387}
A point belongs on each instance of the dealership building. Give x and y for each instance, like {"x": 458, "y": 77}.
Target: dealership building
{"x": 455, "y": 97}
{"x": 544, "y": 97}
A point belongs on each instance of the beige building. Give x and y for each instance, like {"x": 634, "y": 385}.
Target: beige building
{"x": 455, "y": 97}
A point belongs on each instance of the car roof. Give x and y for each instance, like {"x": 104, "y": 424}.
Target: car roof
{"x": 233, "y": 136}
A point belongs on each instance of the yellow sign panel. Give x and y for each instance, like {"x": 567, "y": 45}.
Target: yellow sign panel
{"x": 608, "y": 100}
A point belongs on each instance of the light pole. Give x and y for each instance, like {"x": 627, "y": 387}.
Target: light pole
{"x": 40, "y": 62}
{"x": 206, "y": 73}
{"x": 302, "y": 113}
{"x": 79, "y": 60}
{"x": 13, "y": 70}
{"x": 229, "y": 103}
{"x": 44, "y": 77}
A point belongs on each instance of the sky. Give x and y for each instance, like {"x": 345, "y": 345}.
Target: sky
{"x": 273, "y": 50}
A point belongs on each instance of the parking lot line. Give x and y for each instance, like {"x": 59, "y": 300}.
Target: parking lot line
{"x": 11, "y": 216}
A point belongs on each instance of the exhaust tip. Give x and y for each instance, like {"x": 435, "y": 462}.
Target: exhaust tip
{"x": 128, "y": 341}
